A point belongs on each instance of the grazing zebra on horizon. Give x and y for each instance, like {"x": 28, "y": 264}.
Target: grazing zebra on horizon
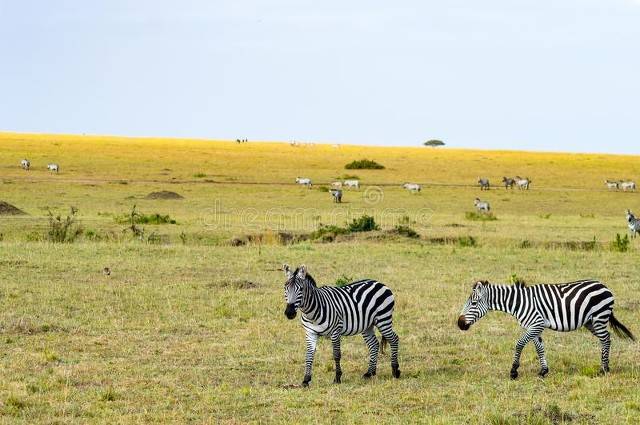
{"x": 633, "y": 223}
{"x": 523, "y": 184}
{"x": 336, "y": 311}
{"x": 612, "y": 184}
{"x": 627, "y": 185}
{"x": 508, "y": 182}
{"x": 304, "y": 181}
{"x": 412, "y": 187}
{"x": 352, "y": 183}
{"x": 337, "y": 195}
{"x": 482, "y": 205}
{"x": 564, "y": 307}
{"x": 25, "y": 164}
{"x": 484, "y": 183}
{"x": 53, "y": 167}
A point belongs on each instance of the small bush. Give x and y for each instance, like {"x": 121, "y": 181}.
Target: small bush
{"x": 516, "y": 280}
{"x": 135, "y": 217}
{"x": 327, "y": 233}
{"x": 525, "y": 244}
{"x": 343, "y": 280}
{"x": 545, "y": 216}
{"x": 477, "y": 216}
{"x": 406, "y": 231}
{"x": 364, "y": 164}
{"x": 467, "y": 241}
{"x": 620, "y": 244}
{"x": 199, "y": 175}
{"x": 366, "y": 223}
{"x": 109, "y": 395}
{"x": 63, "y": 230}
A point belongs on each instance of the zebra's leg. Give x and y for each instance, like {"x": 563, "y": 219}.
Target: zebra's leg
{"x": 599, "y": 329}
{"x": 531, "y": 333}
{"x": 392, "y": 338}
{"x": 372, "y": 342}
{"x": 312, "y": 340}
{"x": 335, "y": 340}
{"x": 544, "y": 368}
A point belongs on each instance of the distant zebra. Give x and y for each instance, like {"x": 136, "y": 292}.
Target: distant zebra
{"x": 330, "y": 311}
{"x": 612, "y": 184}
{"x": 336, "y": 185}
{"x": 412, "y": 187}
{"x": 25, "y": 164}
{"x": 53, "y": 167}
{"x": 304, "y": 181}
{"x": 633, "y": 223}
{"x": 352, "y": 183}
{"x": 482, "y": 205}
{"x": 564, "y": 307}
{"x": 523, "y": 184}
{"x": 484, "y": 183}
{"x": 628, "y": 185}
{"x": 337, "y": 195}
{"x": 508, "y": 182}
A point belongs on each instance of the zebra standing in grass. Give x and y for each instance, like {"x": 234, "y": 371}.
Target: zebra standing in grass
{"x": 523, "y": 184}
{"x": 482, "y": 206}
{"x": 336, "y": 311}
{"x": 25, "y": 164}
{"x": 484, "y": 183}
{"x": 508, "y": 182}
{"x": 336, "y": 194}
{"x": 633, "y": 223}
{"x": 53, "y": 167}
{"x": 304, "y": 181}
{"x": 628, "y": 185}
{"x": 612, "y": 184}
{"x": 352, "y": 183}
{"x": 412, "y": 187}
{"x": 565, "y": 307}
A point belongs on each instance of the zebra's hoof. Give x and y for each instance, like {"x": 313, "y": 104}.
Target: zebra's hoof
{"x": 604, "y": 371}
{"x": 514, "y": 374}
{"x": 543, "y": 372}
{"x": 396, "y": 372}
{"x": 305, "y": 384}
{"x": 368, "y": 375}
{"x": 337, "y": 380}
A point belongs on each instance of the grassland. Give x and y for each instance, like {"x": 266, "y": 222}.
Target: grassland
{"x": 192, "y": 329}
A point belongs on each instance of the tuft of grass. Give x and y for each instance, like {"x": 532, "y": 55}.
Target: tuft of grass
{"x": 545, "y": 216}
{"x": 478, "y": 216}
{"x": 406, "y": 231}
{"x": 109, "y": 394}
{"x": 620, "y": 244}
{"x": 199, "y": 175}
{"x": 343, "y": 280}
{"x": 364, "y": 164}
{"x": 62, "y": 230}
{"x": 327, "y": 233}
{"x": 467, "y": 241}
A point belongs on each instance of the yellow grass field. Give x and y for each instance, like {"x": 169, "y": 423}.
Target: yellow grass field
{"x": 189, "y": 328}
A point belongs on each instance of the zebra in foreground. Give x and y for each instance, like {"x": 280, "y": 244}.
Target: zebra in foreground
{"x": 564, "y": 307}
{"x": 53, "y": 167}
{"x": 336, "y": 194}
{"x": 484, "y": 183}
{"x": 633, "y": 223}
{"x": 336, "y": 311}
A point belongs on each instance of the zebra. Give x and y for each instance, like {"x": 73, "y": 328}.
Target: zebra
{"x": 612, "y": 184}
{"x": 523, "y": 184}
{"x": 482, "y": 205}
{"x": 337, "y": 195}
{"x": 412, "y": 187}
{"x": 508, "y": 182}
{"x": 25, "y": 164}
{"x": 358, "y": 307}
{"x": 352, "y": 183}
{"x": 53, "y": 167}
{"x": 484, "y": 183}
{"x": 564, "y": 307}
{"x": 336, "y": 185}
{"x": 628, "y": 185}
{"x": 633, "y": 223}
{"x": 304, "y": 181}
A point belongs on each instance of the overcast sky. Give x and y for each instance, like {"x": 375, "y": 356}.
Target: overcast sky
{"x": 536, "y": 75}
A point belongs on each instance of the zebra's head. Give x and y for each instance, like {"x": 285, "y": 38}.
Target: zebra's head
{"x": 293, "y": 289}
{"x": 476, "y": 306}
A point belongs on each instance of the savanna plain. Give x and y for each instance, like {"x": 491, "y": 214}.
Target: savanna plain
{"x": 188, "y": 327}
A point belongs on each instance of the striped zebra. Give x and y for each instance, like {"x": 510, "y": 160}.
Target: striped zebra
{"x": 612, "y": 184}
{"x": 481, "y": 205}
{"x": 336, "y": 311}
{"x": 336, "y": 194}
{"x": 53, "y": 167}
{"x": 412, "y": 187}
{"x": 628, "y": 185}
{"x": 25, "y": 164}
{"x": 633, "y": 223}
{"x": 484, "y": 183}
{"x": 508, "y": 182}
{"x": 304, "y": 181}
{"x": 564, "y": 307}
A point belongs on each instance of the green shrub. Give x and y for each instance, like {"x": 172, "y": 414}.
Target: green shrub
{"x": 477, "y": 216}
{"x": 364, "y": 164}
{"x": 366, "y": 223}
{"x": 406, "y": 231}
{"x": 199, "y": 175}
{"x": 620, "y": 244}
{"x": 63, "y": 230}
{"x": 327, "y": 232}
{"x": 467, "y": 241}
{"x": 343, "y": 280}
{"x": 135, "y": 217}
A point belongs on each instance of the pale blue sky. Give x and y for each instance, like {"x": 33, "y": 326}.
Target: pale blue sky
{"x": 537, "y": 75}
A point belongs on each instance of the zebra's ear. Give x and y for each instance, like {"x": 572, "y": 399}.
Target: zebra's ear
{"x": 286, "y": 269}
{"x": 302, "y": 271}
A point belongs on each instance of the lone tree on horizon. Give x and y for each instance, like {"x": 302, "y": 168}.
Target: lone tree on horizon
{"x": 434, "y": 143}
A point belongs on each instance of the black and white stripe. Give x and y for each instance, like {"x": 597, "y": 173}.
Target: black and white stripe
{"x": 336, "y": 311}
{"x": 564, "y": 307}
{"x": 633, "y": 223}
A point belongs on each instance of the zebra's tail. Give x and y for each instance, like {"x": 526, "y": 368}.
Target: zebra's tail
{"x": 383, "y": 342}
{"x": 620, "y": 329}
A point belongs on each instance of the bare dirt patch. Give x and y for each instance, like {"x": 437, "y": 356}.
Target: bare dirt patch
{"x": 164, "y": 194}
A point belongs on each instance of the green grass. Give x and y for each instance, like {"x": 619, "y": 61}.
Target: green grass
{"x": 192, "y": 329}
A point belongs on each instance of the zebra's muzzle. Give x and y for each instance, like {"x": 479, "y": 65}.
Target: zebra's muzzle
{"x": 290, "y": 311}
{"x": 462, "y": 323}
